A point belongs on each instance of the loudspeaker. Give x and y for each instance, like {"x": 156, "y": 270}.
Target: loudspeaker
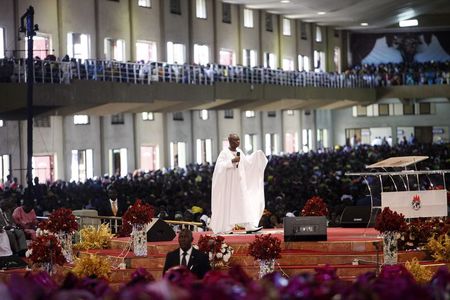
{"x": 305, "y": 229}
{"x": 12, "y": 262}
{"x": 359, "y": 216}
{"x": 160, "y": 231}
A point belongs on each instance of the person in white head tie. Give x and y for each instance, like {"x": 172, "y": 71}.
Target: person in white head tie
{"x": 237, "y": 196}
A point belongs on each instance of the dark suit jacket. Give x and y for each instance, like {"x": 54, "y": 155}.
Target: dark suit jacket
{"x": 104, "y": 208}
{"x": 198, "y": 262}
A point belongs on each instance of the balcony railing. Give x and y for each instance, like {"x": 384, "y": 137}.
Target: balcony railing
{"x": 46, "y": 71}
{"x": 62, "y": 72}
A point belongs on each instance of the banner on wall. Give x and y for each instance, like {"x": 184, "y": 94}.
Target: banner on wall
{"x": 403, "y": 47}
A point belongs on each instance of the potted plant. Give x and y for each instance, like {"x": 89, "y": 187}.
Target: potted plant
{"x": 390, "y": 224}
{"x": 138, "y": 216}
{"x": 218, "y": 251}
{"x": 266, "y": 249}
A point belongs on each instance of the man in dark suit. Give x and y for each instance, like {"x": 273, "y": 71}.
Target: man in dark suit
{"x": 114, "y": 206}
{"x": 197, "y": 262}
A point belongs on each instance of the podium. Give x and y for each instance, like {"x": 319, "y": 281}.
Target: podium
{"x": 396, "y": 183}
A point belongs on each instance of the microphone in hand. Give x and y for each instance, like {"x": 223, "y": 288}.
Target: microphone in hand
{"x": 238, "y": 154}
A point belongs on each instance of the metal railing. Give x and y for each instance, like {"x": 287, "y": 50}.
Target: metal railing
{"x": 115, "y": 223}
{"x": 63, "y": 72}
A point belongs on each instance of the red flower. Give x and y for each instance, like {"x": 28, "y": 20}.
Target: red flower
{"x": 315, "y": 207}
{"x": 390, "y": 220}
{"x": 265, "y": 247}
{"x": 46, "y": 249}
{"x": 61, "y": 219}
{"x": 138, "y": 214}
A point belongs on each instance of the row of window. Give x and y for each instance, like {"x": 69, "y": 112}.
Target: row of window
{"x": 82, "y": 160}
{"x": 393, "y": 109}
{"x": 201, "y": 13}
{"x": 118, "y": 119}
{"x": 79, "y": 47}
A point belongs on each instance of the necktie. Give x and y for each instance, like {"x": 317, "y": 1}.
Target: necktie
{"x": 114, "y": 208}
{"x": 183, "y": 259}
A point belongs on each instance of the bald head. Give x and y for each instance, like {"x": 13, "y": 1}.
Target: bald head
{"x": 234, "y": 141}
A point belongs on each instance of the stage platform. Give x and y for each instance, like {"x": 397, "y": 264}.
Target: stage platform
{"x": 352, "y": 251}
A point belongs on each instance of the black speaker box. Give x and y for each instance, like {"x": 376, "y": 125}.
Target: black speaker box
{"x": 160, "y": 231}
{"x": 359, "y": 216}
{"x": 305, "y": 229}
{"x": 12, "y": 262}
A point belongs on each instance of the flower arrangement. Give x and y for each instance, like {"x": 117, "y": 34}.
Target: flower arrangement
{"x": 218, "y": 251}
{"x": 421, "y": 274}
{"x": 61, "y": 220}
{"x": 315, "y": 206}
{"x": 390, "y": 221}
{"x": 93, "y": 266}
{"x": 439, "y": 247}
{"x": 92, "y": 237}
{"x": 265, "y": 247}
{"x": 394, "y": 282}
{"x": 418, "y": 231}
{"x": 45, "y": 249}
{"x": 138, "y": 214}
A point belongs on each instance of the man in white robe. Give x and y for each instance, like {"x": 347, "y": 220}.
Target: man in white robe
{"x": 237, "y": 189}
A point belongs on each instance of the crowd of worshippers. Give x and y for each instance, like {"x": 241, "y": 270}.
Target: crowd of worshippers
{"x": 53, "y": 69}
{"x": 184, "y": 194}
{"x": 416, "y": 73}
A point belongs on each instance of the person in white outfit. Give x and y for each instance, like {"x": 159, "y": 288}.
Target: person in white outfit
{"x": 237, "y": 196}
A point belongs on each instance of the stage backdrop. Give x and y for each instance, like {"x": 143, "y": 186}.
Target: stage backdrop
{"x": 376, "y": 48}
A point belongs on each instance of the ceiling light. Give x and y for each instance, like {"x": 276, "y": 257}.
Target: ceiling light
{"x": 321, "y": 13}
{"x": 364, "y": 24}
{"x": 285, "y": 1}
{"x": 408, "y": 23}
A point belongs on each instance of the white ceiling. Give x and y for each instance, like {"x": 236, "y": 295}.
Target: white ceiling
{"x": 349, "y": 14}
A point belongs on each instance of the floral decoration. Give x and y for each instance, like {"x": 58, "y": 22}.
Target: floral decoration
{"x": 60, "y": 220}
{"x": 265, "y": 247}
{"x": 394, "y": 282}
{"x": 218, "y": 251}
{"x": 420, "y": 273}
{"x": 440, "y": 247}
{"x": 418, "y": 231}
{"x": 390, "y": 221}
{"x": 93, "y": 266}
{"x": 315, "y": 206}
{"x": 45, "y": 249}
{"x": 138, "y": 214}
{"x": 93, "y": 237}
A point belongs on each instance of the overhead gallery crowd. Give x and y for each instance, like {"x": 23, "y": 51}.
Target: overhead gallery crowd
{"x": 54, "y": 70}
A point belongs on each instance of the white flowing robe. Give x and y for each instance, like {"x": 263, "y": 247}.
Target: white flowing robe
{"x": 237, "y": 195}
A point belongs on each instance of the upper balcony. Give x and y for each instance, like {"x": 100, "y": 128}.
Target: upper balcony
{"x": 99, "y": 87}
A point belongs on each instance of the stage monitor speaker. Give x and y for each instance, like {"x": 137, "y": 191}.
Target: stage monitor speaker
{"x": 359, "y": 216}
{"x": 305, "y": 229}
{"x": 12, "y": 262}
{"x": 160, "y": 231}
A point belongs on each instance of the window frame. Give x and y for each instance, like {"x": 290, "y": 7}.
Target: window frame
{"x": 202, "y": 12}
{"x": 80, "y": 120}
{"x": 147, "y": 5}
{"x": 287, "y": 29}
{"x": 248, "y": 18}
